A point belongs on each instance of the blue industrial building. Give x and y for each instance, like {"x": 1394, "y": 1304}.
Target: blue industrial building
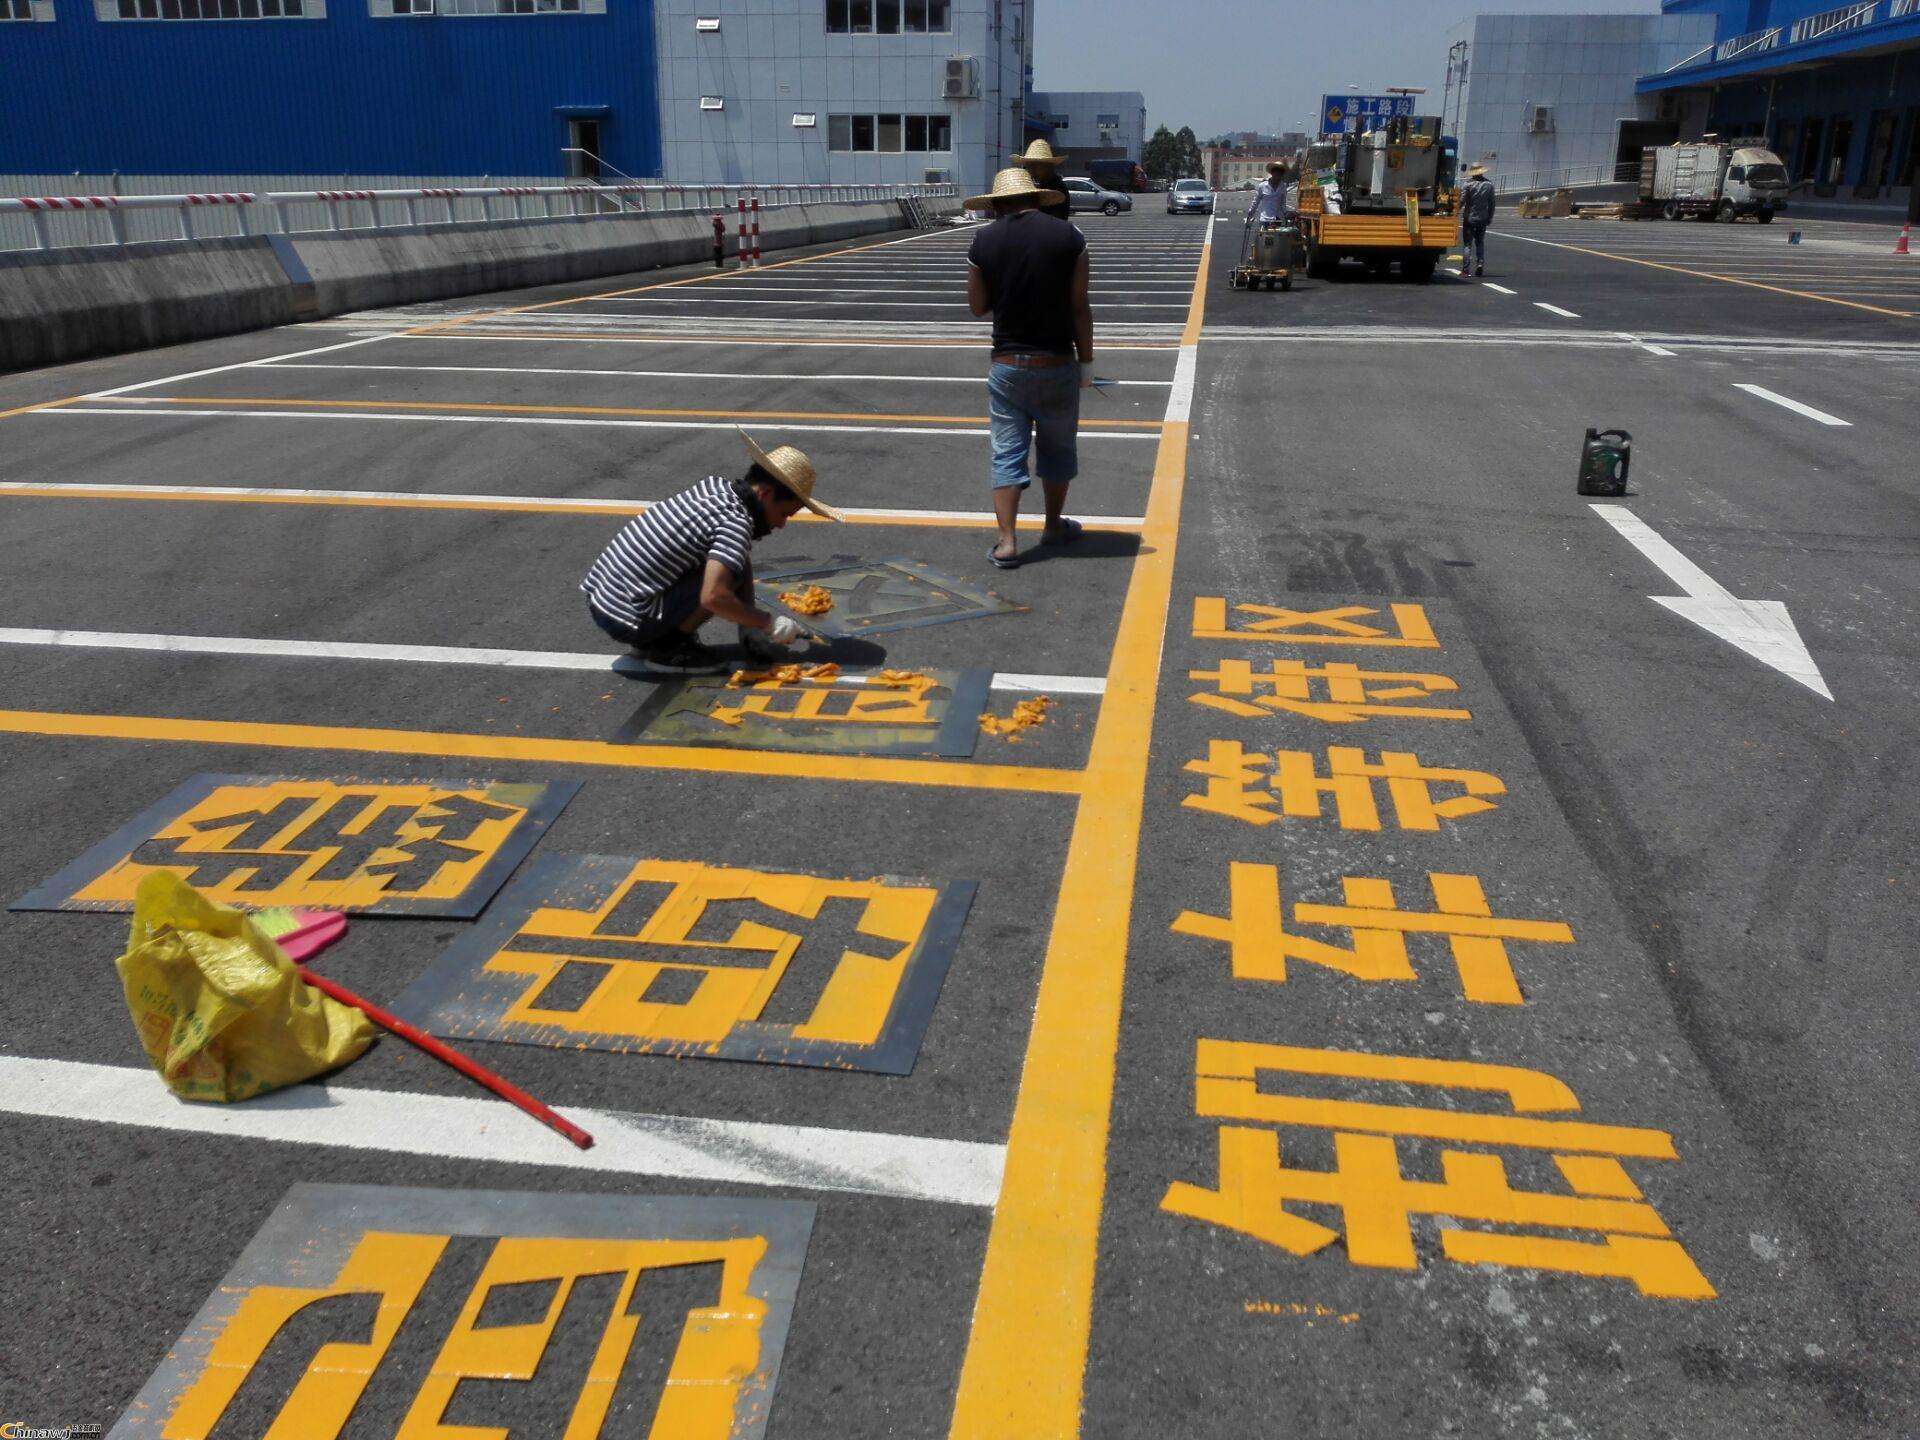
{"x": 1835, "y": 88}
{"x": 364, "y": 87}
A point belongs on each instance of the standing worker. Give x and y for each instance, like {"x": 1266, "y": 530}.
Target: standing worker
{"x": 1029, "y": 270}
{"x": 719, "y": 242}
{"x": 1270, "y": 200}
{"x": 1476, "y": 214}
{"x": 1042, "y": 162}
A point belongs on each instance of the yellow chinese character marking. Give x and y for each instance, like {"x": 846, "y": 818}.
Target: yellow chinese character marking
{"x": 1255, "y": 929}
{"x": 1347, "y": 693}
{"x": 689, "y": 952}
{"x": 713, "y": 1347}
{"x": 831, "y": 704}
{"x": 1250, "y": 786}
{"x": 1258, "y": 1195}
{"x": 324, "y": 844}
{"x": 1343, "y": 625}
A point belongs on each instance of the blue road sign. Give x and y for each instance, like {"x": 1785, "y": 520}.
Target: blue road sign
{"x": 1360, "y": 112}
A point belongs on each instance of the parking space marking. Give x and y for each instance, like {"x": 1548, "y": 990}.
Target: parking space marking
{"x": 431, "y": 500}
{"x": 955, "y": 774}
{"x": 850, "y": 342}
{"x": 1710, "y": 275}
{"x": 131, "y": 411}
{"x": 1027, "y": 1350}
{"x": 1498, "y": 289}
{"x": 1794, "y": 405}
{"x": 817, "y": 376}
{"x": 864, "y": 303}
{"x": 908, "y": 1167}
{"x": 1556, "y": 310}
{"x": 487, "y": 657}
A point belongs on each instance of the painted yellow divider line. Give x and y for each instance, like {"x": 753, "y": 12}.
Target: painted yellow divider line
{"x": 957, "y": 775}
{"x": 505, "y": 504}
{"x": 1027, "y": 1353}
{"x": 1711, "y": 275}
{"x": 496, "y": 407}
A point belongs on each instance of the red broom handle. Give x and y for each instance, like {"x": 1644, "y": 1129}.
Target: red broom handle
{"x": 447, "y": 1055}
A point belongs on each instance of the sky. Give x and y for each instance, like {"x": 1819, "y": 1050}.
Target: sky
{"x": 1222, "y": 65}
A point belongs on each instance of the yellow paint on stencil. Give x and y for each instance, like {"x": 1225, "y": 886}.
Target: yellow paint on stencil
{"x": 494, "y": 407}
{"x": 749, "y": 964}
{"x": 871, "y": 769}
{"x": 1376, "y": 1203}
{"x": 1027, "y": 1350}
{"x": 717, "y": 1346}
{"x": 1340, "y": 625}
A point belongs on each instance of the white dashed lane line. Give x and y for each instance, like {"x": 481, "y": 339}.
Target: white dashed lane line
{"x": 1794, "y": 405}
{"x": 1556, "y": 310}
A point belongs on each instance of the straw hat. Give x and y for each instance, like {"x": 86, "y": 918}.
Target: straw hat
{"x": 1040, "y": 152}
{"x": 1273, "y": 165}
{"x": 1009, "y": 183}
{"x": 1476, "y": 170}
{"x": 793, "y": 470}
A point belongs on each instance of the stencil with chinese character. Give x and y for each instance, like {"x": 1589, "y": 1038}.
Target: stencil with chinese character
{"x": 1258, "y": 788}
{"x": 1339, "y": 692}
{"x": 1254, "y": 928}
{"x": 1409, "y": 628}
{"x": 874, "y": 596}
{"x": 1599, "y": 1225}
{"x": 683, "y": 958}
{"x": 382, "y": 847}
{"x": 487, "y": 1313}
{"x": 932, "y": 712}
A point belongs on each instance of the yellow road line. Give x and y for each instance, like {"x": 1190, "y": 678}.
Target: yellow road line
{"x": 592, "y": 509}
{"x": 42, "y": 405}
{"x": 550, "y": 751}
{"x": 497, "y": 407}
{"x": 1027, "y": 1353}
{"x": 1710, "y": 275}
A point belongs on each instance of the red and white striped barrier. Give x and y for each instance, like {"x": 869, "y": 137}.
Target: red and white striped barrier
{"x": 745, "y": 255}
{"x": 754, "y": 206}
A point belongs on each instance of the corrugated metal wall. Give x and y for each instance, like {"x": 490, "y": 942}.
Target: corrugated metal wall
{"x": 352, "y": 92}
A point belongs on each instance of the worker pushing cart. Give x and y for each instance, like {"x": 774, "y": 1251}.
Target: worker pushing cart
{"x": 1270, "y": 240}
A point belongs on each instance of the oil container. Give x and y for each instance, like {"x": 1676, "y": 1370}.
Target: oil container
{"x": 1604, "y": 459}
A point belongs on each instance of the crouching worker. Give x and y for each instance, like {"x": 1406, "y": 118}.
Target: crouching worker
{"x": 688, "y": 560}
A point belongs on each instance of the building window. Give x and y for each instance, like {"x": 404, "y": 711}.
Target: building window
{"x": 889, "y": 17}
{"x": 26, "y": 10}
{"x": 890, "y": 134}
{"x": 210, "y": 9}
{"x": 1107, "y": 122}
{"x": 482, "y": 7}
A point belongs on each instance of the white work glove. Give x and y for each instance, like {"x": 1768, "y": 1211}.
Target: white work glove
{"x": 784, "y": 630}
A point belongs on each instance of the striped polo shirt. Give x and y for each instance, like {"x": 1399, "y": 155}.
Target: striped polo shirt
{"x": 664, "y": 542}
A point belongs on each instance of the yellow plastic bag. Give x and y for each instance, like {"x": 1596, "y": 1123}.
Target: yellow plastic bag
{"x": 221, "y": 1012}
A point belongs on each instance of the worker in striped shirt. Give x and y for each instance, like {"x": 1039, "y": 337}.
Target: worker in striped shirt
{"x": 689, "y": 559}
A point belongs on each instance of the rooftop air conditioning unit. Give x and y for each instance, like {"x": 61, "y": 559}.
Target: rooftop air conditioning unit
{"x": 1540, "y": 120}
{"x": 938, "y": 177}
{"x": 962, "y": 83}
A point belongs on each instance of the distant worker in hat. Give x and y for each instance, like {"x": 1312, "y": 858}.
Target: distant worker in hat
{"x": 1042, "y": 162}
{"x": 1476, "y": 214}
{"x": 1028, "y": 270}
{"x": 1270, "y": 199}
{"x": 687, "y": 560}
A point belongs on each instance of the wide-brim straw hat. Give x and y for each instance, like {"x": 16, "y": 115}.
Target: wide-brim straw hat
{"x": 793, "y": 470}
{"x": 1010, "y": 183}
{"x": 1473, "y": 170}
{"x": 1273, "y": 165}
{"x": 1040, "y": 152}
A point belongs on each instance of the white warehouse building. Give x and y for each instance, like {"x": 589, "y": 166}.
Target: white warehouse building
{"x": 842, "y": 91}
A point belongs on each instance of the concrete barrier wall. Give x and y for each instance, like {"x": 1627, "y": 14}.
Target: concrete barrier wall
{"x": 67, "y": 304}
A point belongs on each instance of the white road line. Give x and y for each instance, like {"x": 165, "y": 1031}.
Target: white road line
{"x": 1556, "y": 310}
{"x": 590, "y": 505}
{"x": 864, "y": 304}
{"x": 1180, "y": 400}
{"x": 426, "y": 655}
{"x": 1656, "y": 350}
{"x": 912, "y": 1167}
{"x": 223, "y": 369}
{"x": 818, "y": 375}
{"x": 1794, "y": 405}
{"x": 786, "y": 427}
{"x": 1761, "y": 628}
{"x": 1500, "y": 289}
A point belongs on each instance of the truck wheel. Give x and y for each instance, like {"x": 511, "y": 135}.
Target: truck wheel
{"x": 1112, "y": 207}
{"x": 1766, "y": 217}
{"x": 1728, "y": 213}
{"x": 1670, "y": 211}
{"x": 1419, "y": 269}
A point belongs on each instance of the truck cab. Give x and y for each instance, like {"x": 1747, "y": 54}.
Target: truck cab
{"x": 1756, "y": 184}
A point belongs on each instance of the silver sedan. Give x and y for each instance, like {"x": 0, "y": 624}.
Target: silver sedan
{"x": 1189, "y": 197}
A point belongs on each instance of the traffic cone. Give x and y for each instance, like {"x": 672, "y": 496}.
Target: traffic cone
{"x": 1906, "y": 231}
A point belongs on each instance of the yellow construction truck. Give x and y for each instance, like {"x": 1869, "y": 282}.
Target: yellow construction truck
{"x": 1383, "y": 197}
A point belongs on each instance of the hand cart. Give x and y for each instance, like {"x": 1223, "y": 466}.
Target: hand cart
{"x": 1268, "y": 254}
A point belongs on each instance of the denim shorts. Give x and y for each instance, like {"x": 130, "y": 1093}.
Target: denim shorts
{"x": 1037, "y": 410}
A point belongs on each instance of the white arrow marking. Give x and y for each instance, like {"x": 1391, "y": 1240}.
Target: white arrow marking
{"x": 1762, "y": 628}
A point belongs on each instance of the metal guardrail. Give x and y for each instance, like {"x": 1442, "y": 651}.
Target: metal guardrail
{"x": 1566, "y": 177}
{"x": 409, "y": 207}
{"x": 1844, "y": 17}
{"x": 1752, "y": 43}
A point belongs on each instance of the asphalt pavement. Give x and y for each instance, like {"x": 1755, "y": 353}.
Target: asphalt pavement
{"x": 1441, "y": 966}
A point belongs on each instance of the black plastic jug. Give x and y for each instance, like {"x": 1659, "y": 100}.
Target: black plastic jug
{"x": 1604, "y": 459}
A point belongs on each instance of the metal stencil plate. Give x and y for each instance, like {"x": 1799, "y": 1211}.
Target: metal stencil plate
{"x": 939, "y": 716}
{"x": 873, "y": 596}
